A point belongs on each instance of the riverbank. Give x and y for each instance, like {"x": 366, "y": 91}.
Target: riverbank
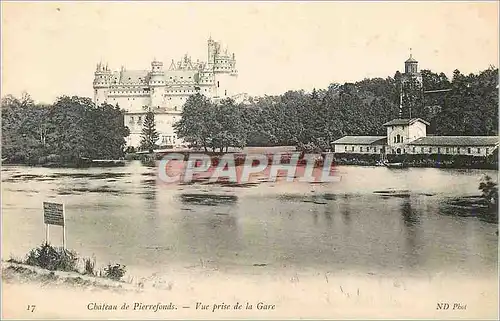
{"x": 289, "y": 294}
{"x": 423, "y": 161}
{"x": 409, "y": 160}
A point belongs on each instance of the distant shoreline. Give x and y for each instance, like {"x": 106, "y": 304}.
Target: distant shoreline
{"x": 337, "y": 162}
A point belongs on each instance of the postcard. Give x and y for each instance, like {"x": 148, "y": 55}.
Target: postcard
{"x": 249, "y": 160}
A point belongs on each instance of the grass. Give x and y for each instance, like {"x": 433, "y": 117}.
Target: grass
{"x": 53, "y": 258}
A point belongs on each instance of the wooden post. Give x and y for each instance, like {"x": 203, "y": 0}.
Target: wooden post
{"x": 46, "y": 233}
{"x": 64, "y": 228}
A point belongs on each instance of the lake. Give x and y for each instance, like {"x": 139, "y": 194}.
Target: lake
{"x": 125, "y": 215}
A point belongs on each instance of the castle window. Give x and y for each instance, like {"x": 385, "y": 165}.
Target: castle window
{"x": 430, "y": 150}
{"x": 375, "y": 149}
{"x": 439, "y": 150}
{"x": 352, "y": 149}
{"x": 458, "y": 150}
{"x": 479, "y": 150}
{"x": 468, "y": 150}
{"x": 422, "y": 150}
{"x": 345, "y": 148}
{"x": 447, "y": 150}
{"x": 414, "y": 148}
{"x": 361, "y": 149}
{"x": 218, "y": 85}
{"x": 487, "y": 150}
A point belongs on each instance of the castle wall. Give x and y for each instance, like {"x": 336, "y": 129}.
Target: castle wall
{"x": 225, "y": 85}
{"x": 130, "y": 102}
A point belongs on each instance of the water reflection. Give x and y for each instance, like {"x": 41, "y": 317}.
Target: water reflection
{"x": 328, "y": 215}
{"x": 346, "y": 211}
{"x": 208, "y": 199}
{"x": 411, "y": 226}
{"x": 315, "y": 216}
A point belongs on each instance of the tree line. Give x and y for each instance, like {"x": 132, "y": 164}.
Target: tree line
{"x": 74, "y": 127}
{"x": 70, "y": 129}
{"x": 311, "y": 121}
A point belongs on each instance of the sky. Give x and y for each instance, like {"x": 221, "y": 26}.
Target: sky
{"x": 51, "y": 49}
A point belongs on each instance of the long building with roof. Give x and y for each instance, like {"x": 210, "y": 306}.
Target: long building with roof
{"x": 166, "y": 91}
{"x": 409, "y": 136}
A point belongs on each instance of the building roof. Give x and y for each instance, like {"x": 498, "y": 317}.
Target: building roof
{"x": 411, "y": 59}
{"x": 362, "y": 140}
{"x": 396, "y": 122}
{"x": 130, "y": 77}
{"x": 456, "y": 141}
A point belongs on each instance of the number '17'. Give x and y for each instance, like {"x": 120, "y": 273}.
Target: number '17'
{"x": 31, "y": 307}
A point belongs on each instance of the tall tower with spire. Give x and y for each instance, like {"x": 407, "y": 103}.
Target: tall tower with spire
{"x": 411, "y": 90}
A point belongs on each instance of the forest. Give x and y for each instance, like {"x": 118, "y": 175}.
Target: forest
{"x": 70, "y": 129}
{"x": 311, "y": 121}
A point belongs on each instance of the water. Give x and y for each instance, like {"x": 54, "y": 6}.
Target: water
{"x": 124, "y": 215}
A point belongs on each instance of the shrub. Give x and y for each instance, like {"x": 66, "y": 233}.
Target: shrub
{"x": 489, "y": 191}
{"x": 89, "y": 266}
{"x": 52, "y": 258}
{"x": 114, "y": 272}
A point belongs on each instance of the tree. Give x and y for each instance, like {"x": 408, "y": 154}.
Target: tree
{"x": 228, "y": 121}
{"x": 489, "y": 191}
{"x": 149, "y": 135}
{"x": 197, "y": 121}
{"x": 413, "y": 99}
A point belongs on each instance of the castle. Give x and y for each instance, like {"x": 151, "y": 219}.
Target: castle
{"x": 165, "y": 91}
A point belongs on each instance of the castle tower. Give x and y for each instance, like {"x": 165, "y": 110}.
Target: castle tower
{"x": 157, "y": 84}
{"x": 102, "y": 78}
{"x": 225, "y": 72}
{"x": 211, "y": 53}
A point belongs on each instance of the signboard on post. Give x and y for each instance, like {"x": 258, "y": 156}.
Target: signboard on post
{"x": 53, "y": 214}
